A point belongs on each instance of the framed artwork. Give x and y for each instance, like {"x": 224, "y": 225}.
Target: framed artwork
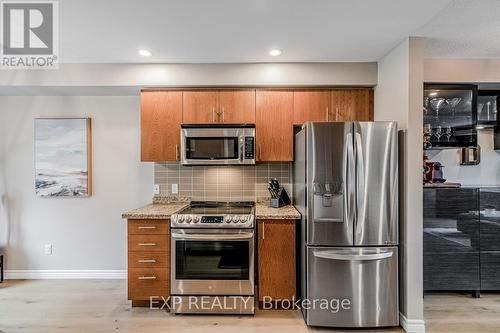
{"x": 63, "y": 157}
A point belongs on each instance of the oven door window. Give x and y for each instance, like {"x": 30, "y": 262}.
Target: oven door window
{"x": 212, "y": 260}
{"x": 212, "y": 148}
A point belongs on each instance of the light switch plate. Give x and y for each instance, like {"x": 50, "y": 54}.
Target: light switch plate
{"x": 175, "y": 188}
{"x": 47, "y": 249}
{"x": 156, "y": 189}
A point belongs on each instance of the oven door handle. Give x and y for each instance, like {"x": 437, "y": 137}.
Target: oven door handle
{"x": 214, "y": 237}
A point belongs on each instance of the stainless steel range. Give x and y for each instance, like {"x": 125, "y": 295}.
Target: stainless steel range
{"x": 212, "y": 258}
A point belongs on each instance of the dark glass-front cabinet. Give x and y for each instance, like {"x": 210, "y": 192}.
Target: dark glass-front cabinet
{"x": 487, "y": 107}
{"x": 450, "y": 115}
{"x": 451, "y": 239}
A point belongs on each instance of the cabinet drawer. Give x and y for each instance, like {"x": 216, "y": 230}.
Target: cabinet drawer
{"x": 148, "y": 259}
{"x": 148, "y": 243}
{"x": 148, "y": 227}
{"x": 144, "y": 289}
{"x": 147, "y": 274}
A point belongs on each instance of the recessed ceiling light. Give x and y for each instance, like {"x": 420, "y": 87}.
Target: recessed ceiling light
{"x": 145, "y": 53}
{"x": 275, "y": 52}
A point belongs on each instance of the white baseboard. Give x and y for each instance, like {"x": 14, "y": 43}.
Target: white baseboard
{"x": 411, "y": 325}
{"x": 65, "y": 274}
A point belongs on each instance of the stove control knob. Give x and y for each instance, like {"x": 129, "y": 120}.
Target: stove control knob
{"x": 229, "y": 219}
{"x": 244, "y": 219}
{"x": 236, "y": 219}
{"x": 196, "y": 219}
{"x": 181, "y": 219}
{"x": 188, "y": 219}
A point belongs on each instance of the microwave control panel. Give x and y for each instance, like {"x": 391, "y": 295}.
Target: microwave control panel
{"x": 249, "y": 147}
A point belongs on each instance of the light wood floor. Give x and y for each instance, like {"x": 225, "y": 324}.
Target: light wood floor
{"x": 35, "y": 306}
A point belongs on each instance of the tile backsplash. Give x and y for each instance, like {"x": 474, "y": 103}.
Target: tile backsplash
{"x": 222, "y": 183}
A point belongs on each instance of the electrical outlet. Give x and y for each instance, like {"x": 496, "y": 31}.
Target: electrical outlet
{"x": 48, "y": 249}
{"x": 156, "y": 189}
{"x": 175, "y": 188}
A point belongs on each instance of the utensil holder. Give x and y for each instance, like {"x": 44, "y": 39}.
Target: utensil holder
{"x": 281, "y": 200}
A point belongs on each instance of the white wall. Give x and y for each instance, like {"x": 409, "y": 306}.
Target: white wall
{"x": 398, "y": 96}
{"x": 462, "y": 70}
{"x": 87, "y": 233}
{"x": 485, "y": 173}
{"x": 198, "y": 75}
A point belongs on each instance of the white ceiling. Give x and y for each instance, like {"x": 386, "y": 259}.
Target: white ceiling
{"x": 220, "y": 31}
{"x": 464, "y": 29}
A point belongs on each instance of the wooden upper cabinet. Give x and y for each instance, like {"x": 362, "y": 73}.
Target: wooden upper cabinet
{"x": 236, "y": 106}
{"x": 199, "y": 106}
{"x": 161, "y": 118}
{"x": 311, "y": 105}
{"x": 274, "y": 125}
{"x": 352, "y": 105}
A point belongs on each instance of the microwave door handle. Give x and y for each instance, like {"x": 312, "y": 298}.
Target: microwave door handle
{"x": 212, "y": 237}
{"x": 242, "y": 146}
{"x": 333, "y": 255}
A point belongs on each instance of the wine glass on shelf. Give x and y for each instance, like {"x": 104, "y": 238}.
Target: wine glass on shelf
{"x": 453, "y": 102}
{"x": 438, "y": 132}
{"x": 447, "y": 132}
{"x": 436, "y": 104}
{"x": 427, "y": 130}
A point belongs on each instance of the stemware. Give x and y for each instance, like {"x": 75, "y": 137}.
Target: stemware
{"x": 453, "y": 102}
{"x": 447, "y": 132}
{"x": 436, "y": 104}
{"x": 438, "y": 132}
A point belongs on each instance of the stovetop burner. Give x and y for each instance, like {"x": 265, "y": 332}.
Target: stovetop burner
{"x": 218, "y": 208}
{"x": 215, "y": 214}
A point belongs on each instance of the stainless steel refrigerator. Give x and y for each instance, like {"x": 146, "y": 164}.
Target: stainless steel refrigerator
{"x": 346, "y": 188}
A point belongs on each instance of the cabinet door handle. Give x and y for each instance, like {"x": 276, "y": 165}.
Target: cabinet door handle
{"x": 144, "y": 261}
{"x": 147, "y": 227}
{"x": 337, "y": 113}
{"x": 147, "y": 244}
{"x": 263, "y": 230}
{"x": 213, "y": 114}
{"x": 147, "y": 277}
{"x": 223, "y": 114}
{"x": 327, "y": 115}
{"x": 260, "y": 155}
{"x": 176, "y": 152}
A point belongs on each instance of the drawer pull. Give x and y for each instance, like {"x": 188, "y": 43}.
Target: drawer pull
{"x": 147, "y": 244}
{"x": 147, "y": 277}
{"x": 147, "y": 227}
{"x": 146, "y": 260}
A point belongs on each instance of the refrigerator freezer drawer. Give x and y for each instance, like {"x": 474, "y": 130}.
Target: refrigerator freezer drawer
{"x": 359, "y": 284}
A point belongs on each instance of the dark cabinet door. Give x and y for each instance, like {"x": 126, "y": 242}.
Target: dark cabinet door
{"x": 451, "y": 239}
{"x": 489, "y": 201}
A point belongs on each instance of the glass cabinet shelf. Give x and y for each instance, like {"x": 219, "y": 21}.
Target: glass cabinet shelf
{"x": 450, "y": 115}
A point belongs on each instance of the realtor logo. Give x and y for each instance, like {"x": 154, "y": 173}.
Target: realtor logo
{"x": 29, "y": 34}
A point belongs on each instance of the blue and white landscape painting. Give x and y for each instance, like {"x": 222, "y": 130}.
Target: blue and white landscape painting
{"x": 61, "y": 157}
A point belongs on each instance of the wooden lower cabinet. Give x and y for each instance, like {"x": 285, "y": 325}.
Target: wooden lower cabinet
{"x": 148, "y": 260}
{"x": 277, "y": 260}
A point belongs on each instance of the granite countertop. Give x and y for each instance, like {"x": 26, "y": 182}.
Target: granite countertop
{"x": 156, "y": 210}
{"x": 163, "y": 210}
{"x": 263, "y": 211}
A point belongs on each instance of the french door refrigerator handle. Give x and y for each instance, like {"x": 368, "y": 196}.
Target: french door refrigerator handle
{"x": 360, "y": 181}
{"x": 349, "y": 199}
{"x": 333, "y": 255}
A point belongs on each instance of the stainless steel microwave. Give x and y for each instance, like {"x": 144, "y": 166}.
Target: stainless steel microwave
{"x": 217, "y": 144}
